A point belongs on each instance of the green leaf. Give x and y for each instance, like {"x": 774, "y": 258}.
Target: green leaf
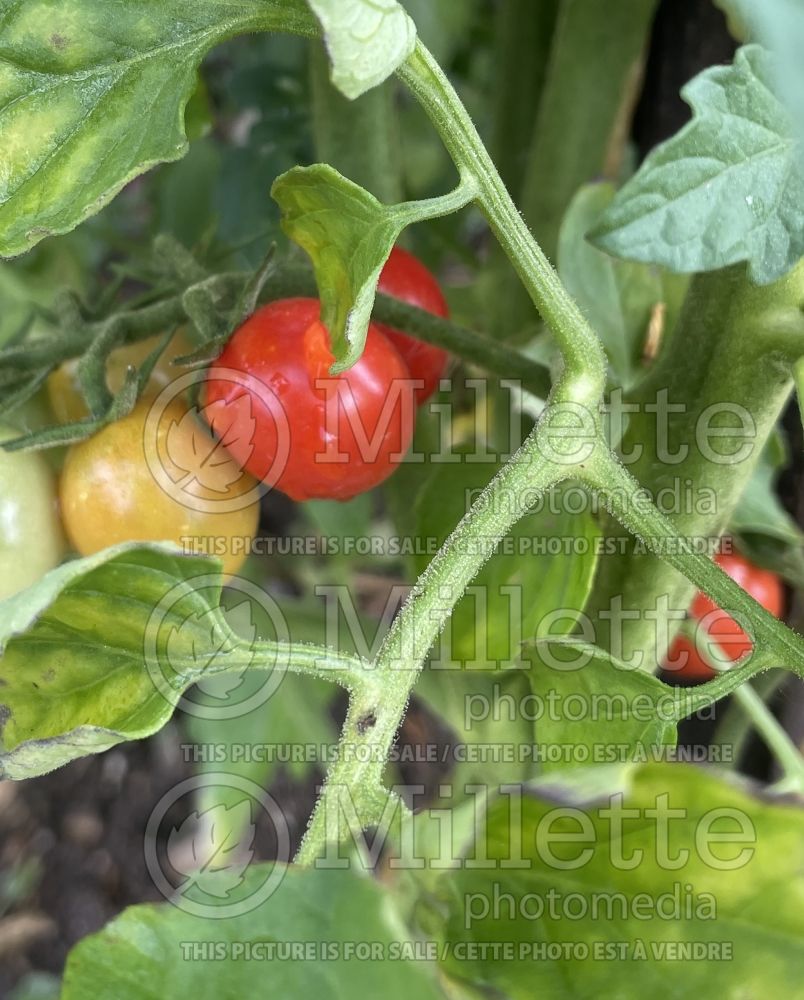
{"x": 143, "y": 954}
{"x": 100, "y": 651}
{"x": 581, "y": 127}
{"x": 596, "y": 711}
{"x": 665, "y": 879}
{"x": 84, "y": 109}
{"x": 617, "y": 297}
{"x": 489, "y": 747}
{"x": 601, "y": 712}
{"x": 367, "y": 41}
{"x": 349, "y": 236}
{"x": 779, "y": 26}
{"x": 546, "y": 563}
{"x": 729, "y": 187}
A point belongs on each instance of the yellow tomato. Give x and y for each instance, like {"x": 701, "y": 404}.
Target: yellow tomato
{"x": 64, "y": 391}
{"x": 159, "y": 476}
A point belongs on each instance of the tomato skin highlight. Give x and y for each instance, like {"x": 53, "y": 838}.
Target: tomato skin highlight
{"x": 313, "y": 435}
{"x": 404, "y": 277}
{"x": 109, "y": 494}
{"x": 763, "y": 585}
{"x": 31, "y": 538}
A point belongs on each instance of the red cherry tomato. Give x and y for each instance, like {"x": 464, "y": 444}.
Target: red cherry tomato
{"x": 284, "y": 418}
{"x": 684, "y": 659}
{"x": 406, "y": 278}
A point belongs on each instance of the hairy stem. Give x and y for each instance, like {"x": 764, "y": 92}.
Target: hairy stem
{"x": 775, "y": 645}
{"x": 776, "y": 738}
{"x": 581, "y": 350}
{"x": 696, "y": 430}
{"x": 414, "y": 631}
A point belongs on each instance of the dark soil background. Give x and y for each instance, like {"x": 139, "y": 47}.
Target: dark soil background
{"x": 71, "y": 843}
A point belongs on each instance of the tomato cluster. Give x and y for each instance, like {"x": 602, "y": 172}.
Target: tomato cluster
{"x": 685, "y": 659}
{"x": 273, "y": 414}
{"x": 310, "y": 434}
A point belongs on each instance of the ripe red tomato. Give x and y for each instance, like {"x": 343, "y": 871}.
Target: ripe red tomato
{"x": 272, "y": 402}
{"x": 406, "y": 278}
{"x": 684, "y": 660}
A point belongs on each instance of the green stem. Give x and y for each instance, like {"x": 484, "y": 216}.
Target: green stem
{"x": 775, "y": 645}
{"x": 490, "y": 355}
{"x": 328, "y": 665}
{"x": 773, "y": 733}
{"x": 757, "y": 332}
{"x": 735, "y": 728}
{"x": 752, "y": 708}
{"x": 508, "y": 498}
{"x": 287, "y": 281}
{"x": 356, "y": 675}
{"x": 581, "y": 350}
{"x": 590, "y": 93}
{"x": 524, "y": 31}
{"x": 798, "y": 375}
{"x": 414, "y": 631}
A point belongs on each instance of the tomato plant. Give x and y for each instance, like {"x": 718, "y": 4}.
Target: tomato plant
{"x": 314, "y": 435}
{"x": 382, "y": 682}
{"x": 685, "y": 659}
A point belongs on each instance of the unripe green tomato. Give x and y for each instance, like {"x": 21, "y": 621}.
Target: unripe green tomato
{"x": 31, "y": 539}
